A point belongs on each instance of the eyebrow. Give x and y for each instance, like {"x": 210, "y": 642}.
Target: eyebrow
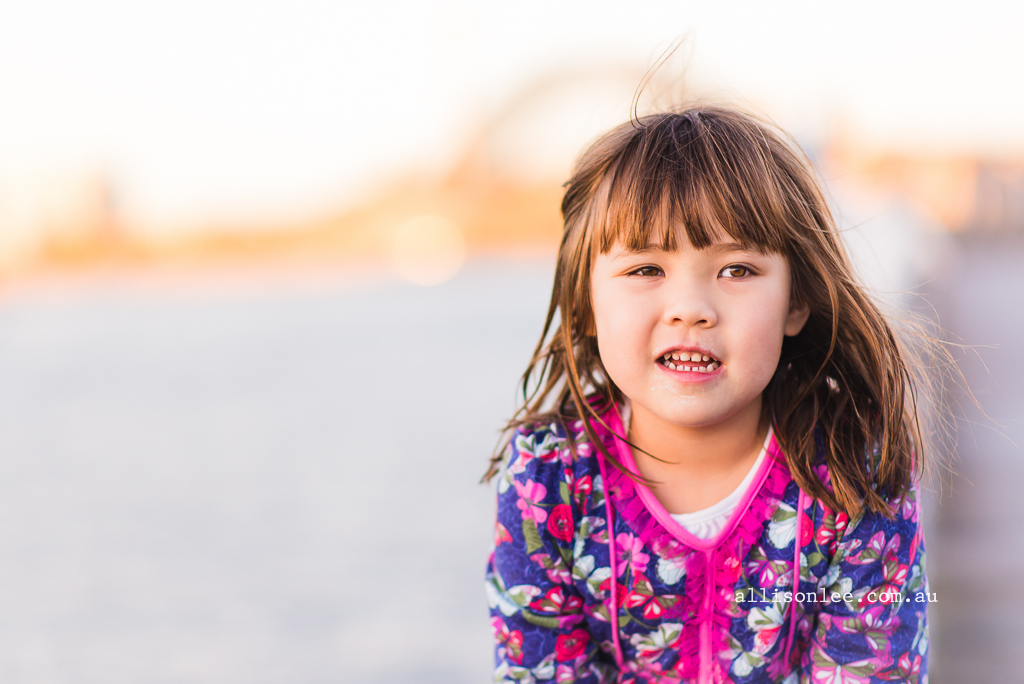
{"x": 728, "y": 247}
{"x": 719, "y": 247}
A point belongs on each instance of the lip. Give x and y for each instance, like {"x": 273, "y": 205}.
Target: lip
{"x": 689, "y": 376}
{"x": 689, "y": 350}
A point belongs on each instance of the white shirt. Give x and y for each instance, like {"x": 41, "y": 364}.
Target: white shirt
{"x": 708, "y": 522}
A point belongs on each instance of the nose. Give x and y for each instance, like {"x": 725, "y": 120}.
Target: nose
{"x": 690, "y": 304}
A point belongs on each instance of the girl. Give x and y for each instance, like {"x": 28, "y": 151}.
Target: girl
{"x": 716, "y": 477}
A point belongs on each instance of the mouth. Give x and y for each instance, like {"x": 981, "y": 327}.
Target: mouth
{"x": 689, "y": 361}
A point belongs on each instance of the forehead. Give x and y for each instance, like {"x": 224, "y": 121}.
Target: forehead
{"x": 670, "y": 217}
{"x": 676, "y": 238}
{"x": 699, "y": 185}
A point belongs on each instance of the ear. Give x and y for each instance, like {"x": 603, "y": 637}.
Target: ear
{"x": 796, "y": 318}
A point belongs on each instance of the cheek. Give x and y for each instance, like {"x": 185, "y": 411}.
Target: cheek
{"x": 767, "y": 360}
{"x": 618, "y": 343}
{"x": 765, "y": 347}
{"x": 622, "y": 339}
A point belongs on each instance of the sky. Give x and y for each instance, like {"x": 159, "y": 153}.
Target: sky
{"x": 219, "y": 111}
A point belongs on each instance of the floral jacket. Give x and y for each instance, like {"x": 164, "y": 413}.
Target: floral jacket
{"x": 666, "y": 606}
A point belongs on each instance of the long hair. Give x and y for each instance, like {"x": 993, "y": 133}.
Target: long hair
{"x": 843, "y": 385}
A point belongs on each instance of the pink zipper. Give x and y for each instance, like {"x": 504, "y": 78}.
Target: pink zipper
{"x": 705, "y": 625}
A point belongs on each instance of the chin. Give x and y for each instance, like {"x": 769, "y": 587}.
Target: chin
{"x": 693, "y": 419}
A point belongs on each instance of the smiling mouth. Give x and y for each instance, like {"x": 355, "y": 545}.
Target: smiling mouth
{"x": 692, "y": 362}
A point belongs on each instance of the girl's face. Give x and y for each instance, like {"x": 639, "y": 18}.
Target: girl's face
{"x": 692, "y": 337}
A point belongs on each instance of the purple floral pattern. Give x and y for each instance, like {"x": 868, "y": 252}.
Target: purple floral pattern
{"x": 689, "y": 615}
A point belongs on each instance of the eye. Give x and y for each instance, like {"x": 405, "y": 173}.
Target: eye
{"x": 646, "y": 272}
{"x": 736, "y": 271}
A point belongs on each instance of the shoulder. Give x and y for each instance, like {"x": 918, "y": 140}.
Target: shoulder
{"x": 540, "y": 461}
{"x": 542, "y": 491}
{"x": 869, "y": 460}
{"x": 535, "y": 447}
{"x": 863, "y": 537}
{"x": 838, "y": 531}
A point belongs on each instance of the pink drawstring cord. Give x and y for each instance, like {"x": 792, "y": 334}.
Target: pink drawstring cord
{"x": 796, "y": 576}
{"x": 613, "y": 609}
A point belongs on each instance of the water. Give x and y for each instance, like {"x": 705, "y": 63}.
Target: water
{"x": 278, "y": 484}
{"x": 274, "y": 486}
{"x": 975, "y": 550}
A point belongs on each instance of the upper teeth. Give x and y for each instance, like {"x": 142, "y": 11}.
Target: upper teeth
{"x": 689, "y": 358}
{"x": 684, "y": 356}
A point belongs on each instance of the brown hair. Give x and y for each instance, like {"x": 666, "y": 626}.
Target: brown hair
{"x": 843, "y": 384}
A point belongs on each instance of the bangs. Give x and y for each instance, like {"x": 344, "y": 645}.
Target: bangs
{"x": 712, "y": 176}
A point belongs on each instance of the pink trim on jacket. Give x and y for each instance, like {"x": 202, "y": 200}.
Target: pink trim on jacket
{"x": 625, "y": 454}
{"x": 705, "y": 558}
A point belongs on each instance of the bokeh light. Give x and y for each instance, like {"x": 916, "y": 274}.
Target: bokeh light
{"x": 428, "y": 250}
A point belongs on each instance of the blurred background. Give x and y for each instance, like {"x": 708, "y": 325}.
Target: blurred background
{"x": 269, "y": 273}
